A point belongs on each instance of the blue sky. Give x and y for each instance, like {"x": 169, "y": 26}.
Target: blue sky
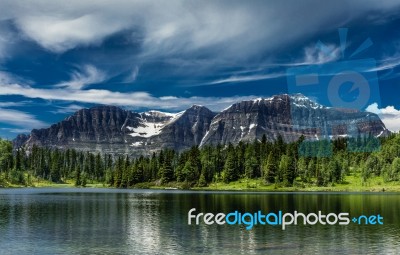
{"x": 59, "y": 56}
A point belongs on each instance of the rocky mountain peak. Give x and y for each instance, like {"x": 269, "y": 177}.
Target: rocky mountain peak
{"x": 110, "y": 129}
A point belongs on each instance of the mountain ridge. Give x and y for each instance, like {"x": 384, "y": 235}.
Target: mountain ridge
{"x": 110, "y": 129}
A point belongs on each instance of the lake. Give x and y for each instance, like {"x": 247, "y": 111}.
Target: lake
{"x": 114, "y": 221}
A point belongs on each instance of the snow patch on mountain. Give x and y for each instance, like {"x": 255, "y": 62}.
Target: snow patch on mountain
{"x": 152, "y": 122}
{"x": 137, "y": 144}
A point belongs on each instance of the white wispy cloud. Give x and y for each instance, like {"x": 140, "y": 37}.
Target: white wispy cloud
{"x": 387, "y": 63}
{"x": 61, "y": 33}
{"x": 6, "y": 40}
{"x": 389, "y": 115}
{"x": 14, "y": 104}
{"x": 20, "y": 119}
{"x": 6, "y": 77}
{"x": 3, "y": 44}
{"x": 84, "y": 76}
{"x": 229, "y": 29}
{"x": 246, "y": 78}
{"x": 314, "y": 55}
{"x": 16, "y": 130}
{"x": 133, "y": 99}
{"x": 67, "y": 109}
{"x": 132, "y": 76}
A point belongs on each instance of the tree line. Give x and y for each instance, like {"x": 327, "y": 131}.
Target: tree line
{"x": 320, "y": 163}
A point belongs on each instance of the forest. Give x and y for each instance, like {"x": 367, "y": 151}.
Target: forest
{"x": 319, "y": 163}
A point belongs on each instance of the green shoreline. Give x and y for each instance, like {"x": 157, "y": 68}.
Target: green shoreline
{"x": 351, "y": 184}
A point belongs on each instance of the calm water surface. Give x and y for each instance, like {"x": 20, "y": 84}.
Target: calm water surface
{"x": 111, "y": 221}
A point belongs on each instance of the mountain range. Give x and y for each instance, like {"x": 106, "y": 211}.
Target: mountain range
{"x": 110, "y": 129}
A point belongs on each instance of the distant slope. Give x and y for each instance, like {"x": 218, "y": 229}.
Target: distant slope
{"x": 109, "y": 129}
{"x": 290, "y": 117}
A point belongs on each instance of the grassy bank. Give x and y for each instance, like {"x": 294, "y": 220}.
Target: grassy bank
{"x": 42, "y": 183}
{"x": 351, "y": 183}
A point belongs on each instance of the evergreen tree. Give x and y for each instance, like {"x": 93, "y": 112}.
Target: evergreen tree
{"x": 78, "y": 181}
{"x": 230, "y": 168}
{"x": 118, "y": 172}
{"x": 241, "y": 158}
{"x": 139, "y": 169}
{"x": 193, "y": 165}
{"x": 18, "y": 161}
{"x": 395, "y": 170}
{"x": 125, "y": 169}
{"x": 202, "y": 181}
{"x": 288, "y": 167}
{"x": 312, "y": 169}
{"x": 334, "y": 170}
{"x": 154, "y": 167}
{"x": 167, "y": 173}
{"x": 251, "y": 163}
{"x": 302, "y": 169}
{"x": 6, "y": 157}
{"x": 270, "y": 169}
{"x": 55, "y": 166}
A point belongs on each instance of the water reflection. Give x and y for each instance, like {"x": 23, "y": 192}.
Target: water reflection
{"x": 142, "y": 222}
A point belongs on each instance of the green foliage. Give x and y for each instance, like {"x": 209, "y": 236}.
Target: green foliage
{"x": 202, "y": 181}
{"x": 6, "y": 157}
{"x": 302, "y": 169}
{"x": 301, "y": 163}
{"x": 16, "y": 177}
{"x": 84, "y": 179}
{"x": 167, "y": 173}
{"x": 270, "y": 168}
{"x": 230, "y": 167}
{"x": 78, "y": 181}
{"x": 252, "y": 167}
{"x": 395, "y": 170}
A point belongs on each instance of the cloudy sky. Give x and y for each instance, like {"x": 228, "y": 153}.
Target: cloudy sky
{"x": 59, "y": 56}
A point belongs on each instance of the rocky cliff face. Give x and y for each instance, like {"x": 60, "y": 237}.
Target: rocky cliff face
{"x": 110, "y": 129}
{"x": 186, "y": 130}
{"x": 100, "y": 128}
{"x": 290, "y": 117}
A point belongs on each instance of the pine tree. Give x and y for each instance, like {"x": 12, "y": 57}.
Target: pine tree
{"x": 334, "y": 171}
{"x": 302, "y": 169}
{"x": 84, "y": 178}
{"x": 55, "y": 166}
{"x": 252, "y": 167}
{"x": 241, "y": 158}
{"x": 139, "y": 173}
{"x": 395, "y": 170}
{"x": 154, "y": 167}
{"x": 18, "y": 164}
{"x": 202, "y": 181}
{"x": 289, "y": 167}
{"x": 207, "y": 168}
{"x": 270, "y": 169}
{"x": 125, "y": 168}
{"x": 193, "y": 165}
{"x": 230, "y": 168}
{"x": 321, "y": 172}
{"x": 167, "y": 173}
{"x": 6, "y": 156}
{"x": 118, "y": 172}
{"x": 98, "y": 167}
{"x": 78, "y": 177}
